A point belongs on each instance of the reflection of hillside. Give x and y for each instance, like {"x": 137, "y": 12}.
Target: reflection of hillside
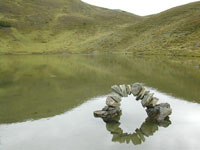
{"x": 33, "y": 87}
{"x": 148, "y": 128}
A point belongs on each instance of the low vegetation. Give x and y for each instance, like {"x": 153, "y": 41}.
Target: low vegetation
{"x": 72, "y": 26}
{"x": 4, "y": 24}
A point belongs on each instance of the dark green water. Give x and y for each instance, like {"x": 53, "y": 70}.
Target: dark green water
{"x": 46, "y": 102}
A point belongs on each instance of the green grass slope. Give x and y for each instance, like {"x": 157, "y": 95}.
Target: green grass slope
{"x": 71, "y": 26}
{"x": 43, "y": 26}
{"x": 172, "y": 32}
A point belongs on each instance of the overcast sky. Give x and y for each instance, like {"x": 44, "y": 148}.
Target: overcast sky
{"x": 139, "y": 7}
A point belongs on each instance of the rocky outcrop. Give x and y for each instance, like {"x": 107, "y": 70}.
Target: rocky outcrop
{"x": 158, "y": 112}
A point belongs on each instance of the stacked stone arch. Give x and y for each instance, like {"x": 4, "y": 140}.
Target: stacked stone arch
{"x": 155, "y": 111}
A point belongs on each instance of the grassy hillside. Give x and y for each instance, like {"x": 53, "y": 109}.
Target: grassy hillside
{"x": 71, "y": 26}
{"x": 41, "y": 26}
{"x": 173, "y": 32}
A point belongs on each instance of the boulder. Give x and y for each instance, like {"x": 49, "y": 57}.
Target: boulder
{"x": 160, "y": 112}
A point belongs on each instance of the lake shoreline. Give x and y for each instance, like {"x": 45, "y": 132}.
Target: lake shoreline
{"x": 98, "y": 53}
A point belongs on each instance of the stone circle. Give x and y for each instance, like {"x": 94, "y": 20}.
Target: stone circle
{"x": 157, "y": 112}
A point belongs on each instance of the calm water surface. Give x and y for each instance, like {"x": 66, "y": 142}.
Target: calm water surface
{"x": 47, "y": 102}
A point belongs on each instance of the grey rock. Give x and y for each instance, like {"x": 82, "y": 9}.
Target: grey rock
{"x": 136, "y": 88}
{"x": 146, "y": 93}
{"x": 153, "y": 102}
{"x": 115, "y": 94}
{"x": 113, "y": 110}
{"x": 160, "y": 112}
{"x": 147, "y": 99}
{"x": 128, "y": 89}
{"x": 108, "y": 113}
{"x": 153, "y": 112}
{"x": 116, "y": 98}
{"x": 105, "y": 108}
{"x": 100, "y": 113}
{"x": 116, "y": 89}
{"x": 141, "y": 94}
{"x": 123, "y": 89}
{"x": 165, "y": 111}
{"x": 111, "y": 102}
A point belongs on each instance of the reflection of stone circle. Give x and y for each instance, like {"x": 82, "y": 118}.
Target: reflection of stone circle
{"x": 148, "y": 128}
{"x": 155, "y": 111}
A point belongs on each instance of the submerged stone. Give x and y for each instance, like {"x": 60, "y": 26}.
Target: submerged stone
{"x": 136, "y": 88}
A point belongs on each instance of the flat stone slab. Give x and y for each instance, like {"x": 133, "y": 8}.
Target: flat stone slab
{"x": 116, "y": 98}
{"x": 128, "y": 89}
{"x": 100, "y": 113}
{"x": 141, "y": 94}
{"x": 112, "y": 102}
{"x": 116, "y": 89}
{"x": 123, "y": 89}
{"x": 147, "y": 99}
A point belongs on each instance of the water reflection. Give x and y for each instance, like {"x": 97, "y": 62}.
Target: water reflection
{"x": 148, "y": 128}
{"x": 77, "y": 129}
{"x": 34, "y": 87}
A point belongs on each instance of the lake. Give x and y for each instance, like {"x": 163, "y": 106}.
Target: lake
{"x": 47, "y": 102}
